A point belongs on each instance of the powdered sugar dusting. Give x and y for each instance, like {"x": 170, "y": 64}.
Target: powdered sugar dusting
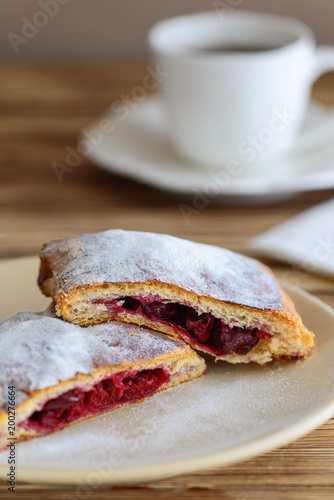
{"x": 37, "y": 350}
{"x": 130, "y": 256}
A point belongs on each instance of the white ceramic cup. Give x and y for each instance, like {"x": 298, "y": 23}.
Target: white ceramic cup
{"x": 244, "y": 106}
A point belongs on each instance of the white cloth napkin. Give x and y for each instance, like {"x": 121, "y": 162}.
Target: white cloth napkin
{"x": 306, "y": 240}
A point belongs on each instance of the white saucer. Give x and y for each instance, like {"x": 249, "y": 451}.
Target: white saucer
{"x": 138, "y": 148}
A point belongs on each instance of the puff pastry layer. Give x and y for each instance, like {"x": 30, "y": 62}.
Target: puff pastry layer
{"x": 63, "y": 373}
{"x": 218, "y": 301}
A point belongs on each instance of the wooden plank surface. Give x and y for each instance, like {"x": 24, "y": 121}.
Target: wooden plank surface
{"x": 43, "y": 108}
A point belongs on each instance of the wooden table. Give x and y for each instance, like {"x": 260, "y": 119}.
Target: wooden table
{"x": 42, "y": 110}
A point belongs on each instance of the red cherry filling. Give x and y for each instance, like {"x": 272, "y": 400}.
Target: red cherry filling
{"x": 199, "y": 326}
{"x": 204, "y": 329}
{"x": 121, "y": 388}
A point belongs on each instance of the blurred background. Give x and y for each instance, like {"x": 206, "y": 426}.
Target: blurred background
{"x": 113, "y": 29}
{"x": 62, "y": 64}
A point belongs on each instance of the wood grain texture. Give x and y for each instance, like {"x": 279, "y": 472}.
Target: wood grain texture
{"x": 42, "y": 111}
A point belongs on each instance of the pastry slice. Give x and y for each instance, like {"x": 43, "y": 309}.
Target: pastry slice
{"x": 218, "y": 301}
{"x": 56, "y": 373}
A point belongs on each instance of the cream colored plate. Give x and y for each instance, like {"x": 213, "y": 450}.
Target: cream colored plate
{"x": 231, "y": 413}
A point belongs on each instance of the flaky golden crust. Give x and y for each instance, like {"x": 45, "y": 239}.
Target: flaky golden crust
{"x": 44, "y": 357}
{"x": 182, "y": 365}
{"x": 76, "y": 298}
{"x": 285, "y": 323}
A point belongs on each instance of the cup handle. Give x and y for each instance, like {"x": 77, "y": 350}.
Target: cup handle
{"x": 324, "y": 61}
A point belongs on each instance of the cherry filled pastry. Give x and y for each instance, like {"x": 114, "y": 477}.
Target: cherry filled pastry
{"x": 217, "y": 301}
{"x": 63, "y": 373}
